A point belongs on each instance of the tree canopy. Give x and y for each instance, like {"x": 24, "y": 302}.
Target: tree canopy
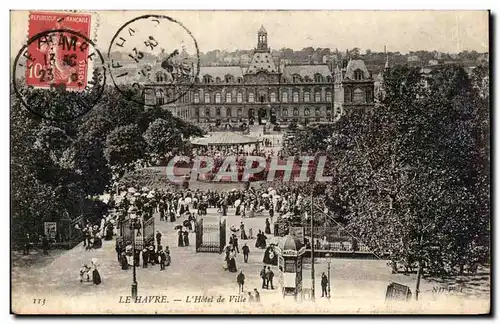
{"x": 412, "y": 179}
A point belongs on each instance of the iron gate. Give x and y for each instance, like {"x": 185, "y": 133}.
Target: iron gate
{"x": 210, "y": 234}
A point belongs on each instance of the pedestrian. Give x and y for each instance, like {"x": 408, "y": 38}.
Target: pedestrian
{"x": 45, "y": 245}
{"x": 186, "y": 238}
{"x": 235, "y": 243}
{"x": 158, "y": 238}
{"x": 163, "y": 258}
{"x": 124, "y": 261}
{"x": 246, "y": 250}
{"x": 145, "y": 258}
{"x": 324, "y": 284}
{"x": 152, "y": 254}
{"x": 257, "y": 295}
{"x": 250, "y": 297}
{"x": 96, "y": 277}
{"x": 263, "y": 276}
{"x": 267, "y": 230}
{"x": 27, "y": 245}
{"x": 119, "y": 249}
{"x": 269, "y": 277}
{"x": 180, "y": 241}
{"x": 240, "y": 279}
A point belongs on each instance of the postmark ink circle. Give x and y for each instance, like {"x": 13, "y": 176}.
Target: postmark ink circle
{"x": 59, "y": 75}
{"x": 153, "y": 60}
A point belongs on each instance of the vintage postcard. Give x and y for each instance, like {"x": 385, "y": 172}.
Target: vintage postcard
{"x": 250, "y": 162}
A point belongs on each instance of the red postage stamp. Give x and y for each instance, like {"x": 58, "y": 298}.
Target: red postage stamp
{"x": 58, "y": 58}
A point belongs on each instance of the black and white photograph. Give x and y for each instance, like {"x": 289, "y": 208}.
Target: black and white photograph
{"x": 250, "y": 162}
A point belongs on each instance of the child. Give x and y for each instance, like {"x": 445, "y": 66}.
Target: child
{"x": 84, "y": 271}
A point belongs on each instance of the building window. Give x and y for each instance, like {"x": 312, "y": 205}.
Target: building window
{"x": 160, "y": 97}
{"x": 347, "y": 95}
{"x": 358, "y": 75}
{"x": 251, "y": 97}
{"x": 217, "y": 80}
{"x": 329, "y": 79}
{"x": 207, "y": 79}
{"x": 239, "y": 112}
{"x": 239, "y": 97}
{"x": 217, "y": 97}
{"x": 295, "y": 112}
{"x": 295, "y": 97}
{"x": 228, "y": 97}
{"x": 307, "y": 79}
{"x": 369, "y": 95}
{"x": 207, "y": 97}
{"x": 228, "y": 112}
{"x": 240, "y": 80}
{"x": 285, "y": 97}
{"x": 285, "y": 111}
{"x": 229, "y": 79}
{"x": 329, "y": 96}
{"x": 306, "y": 112}
{"x": 318, "y": 78}
{"x": 306, "y": 97}
{"x": 317, "y": 96}
{"x": 217, "y": 112}
{"x": 317, "y": 112}
{"x": 197, "y": 113}
{"x": 196, "y": 98}
{"x": 207, "y": 112}
{"x": 161, "y": 77}
{"x": 296, "y": 78}
{"x": 273, "y": 97}
{"x": 358, "y": 96}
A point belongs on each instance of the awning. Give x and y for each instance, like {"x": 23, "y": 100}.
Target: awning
{"x": 225, "y": 139}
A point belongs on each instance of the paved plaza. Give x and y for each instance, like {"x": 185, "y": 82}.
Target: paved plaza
{"x": 193, "y": 274}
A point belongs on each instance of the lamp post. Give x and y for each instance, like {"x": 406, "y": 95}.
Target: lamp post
{"x": 132, "y": 212}
{"x": 329, "y": 258}
{"x": 313, "y": 295}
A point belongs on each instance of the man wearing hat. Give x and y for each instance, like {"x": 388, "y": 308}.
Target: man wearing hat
{"x": 163, "y": 258}
{"x": 158, "y": 238}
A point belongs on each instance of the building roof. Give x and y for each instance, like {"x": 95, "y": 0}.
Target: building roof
{"x": 262, "y": 62}
{"x": 262, "y": 29}
{"x": 306, "y": 70}
{"x": 221, "y": 71}
{"x": 290, "y": 243}
{"x": 225, "y": 138}
{"x": 354, "y": 65}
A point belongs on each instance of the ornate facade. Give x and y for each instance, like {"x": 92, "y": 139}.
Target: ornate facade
{"x": 269, "y": 92}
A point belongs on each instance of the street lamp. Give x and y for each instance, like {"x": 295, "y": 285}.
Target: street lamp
{"x": 132, "y": 213}
{"x": 329, "y": 258}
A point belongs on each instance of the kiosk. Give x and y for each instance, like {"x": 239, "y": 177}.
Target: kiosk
{"x": 290, "y": 252}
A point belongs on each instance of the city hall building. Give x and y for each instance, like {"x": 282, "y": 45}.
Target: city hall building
{"x": 267, "y": 91}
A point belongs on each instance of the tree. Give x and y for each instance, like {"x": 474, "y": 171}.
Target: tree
{"x": 124, "y": 145}
{"x": 355, "y": 52}
{"x": 412, "y": 180}
{"x": 161, "y": 136}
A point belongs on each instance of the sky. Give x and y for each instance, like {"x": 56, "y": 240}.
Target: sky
{"x": 403, "y": 31}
